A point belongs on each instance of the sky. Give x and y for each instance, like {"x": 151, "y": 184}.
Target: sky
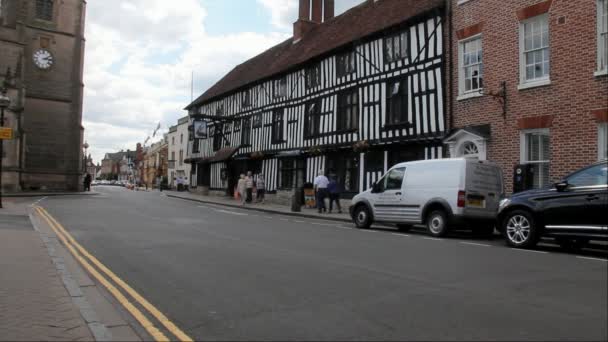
{"x": 141, "y": 54}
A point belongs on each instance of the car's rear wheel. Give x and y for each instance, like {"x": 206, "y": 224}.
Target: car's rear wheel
{"x": 520, "y": 229}
{"x": 362, "y": 217}
{"x": 437, "y": 223}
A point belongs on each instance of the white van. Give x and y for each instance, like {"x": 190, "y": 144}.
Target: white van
{"x": 439, "y": 193}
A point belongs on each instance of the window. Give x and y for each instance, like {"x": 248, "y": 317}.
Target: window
{"x": 220, "y": 110}
{"x": 396, "y": 47}
{"x": 237, "y": 125}
{"x": 536, "y": 150}
{"x": 345, "y": 64}
{"x": 397, "y": 103}
{"x": 602, "y": 141}
{"x": 277, "y": 127}
{"x": 291, "y": 173}
{"x": 196, "y": 148}
{"x": 217, "y": 137}
{"x": 345, "y": 167}
{"x": 313, "y": 76}
{"x": 602, "y": 36}
{"x": 181, "y": 157}
{"x": 247, "y": 98}
{"x": 44, "y": 9}
{"x": 591, "y": 176}
{"x": 534, "y": 46}
{"x": 471, "y": 66}
{"x": 374, "y": 161}
{"x": 181, "y": 139}
{"x": 172, "y": 140}
{"x": 257, "y": 121}
{"x": 393, "y": 180}
{"x": 280, "y": 88}
{"x": 312, "y": 118}
{"x": 246, "y": 132}
{"x": 173, "y": 155}
{"x": 348, "y": 110}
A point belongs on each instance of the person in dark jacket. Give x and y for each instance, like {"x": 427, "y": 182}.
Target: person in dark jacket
{"x": 87, "y": 182}
{"x": 334, "y": 193}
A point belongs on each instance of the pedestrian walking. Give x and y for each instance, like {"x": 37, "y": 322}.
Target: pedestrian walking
{"x": 241, "y": 187}
{"x": 334, "y": 194}
{"x": 321, "y": 182}
{"x": 87, "y": 182}
{"x": 249, "y": 188}
{"x": 260, "y": 184}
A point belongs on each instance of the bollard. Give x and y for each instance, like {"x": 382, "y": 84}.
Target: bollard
{"x": 296, "y": 205}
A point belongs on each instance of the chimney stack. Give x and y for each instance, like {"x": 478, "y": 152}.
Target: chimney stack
{"x": 310, "y": 14}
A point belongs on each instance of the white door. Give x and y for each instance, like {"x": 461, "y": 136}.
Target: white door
{"x": 389, "y": 194}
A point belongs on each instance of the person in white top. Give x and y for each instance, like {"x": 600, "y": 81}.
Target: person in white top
{"x": 321, "y": 182}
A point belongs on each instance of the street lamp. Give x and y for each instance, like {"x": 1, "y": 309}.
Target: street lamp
{"x": 5, "y": 101}
{"x": 86, "y": 146}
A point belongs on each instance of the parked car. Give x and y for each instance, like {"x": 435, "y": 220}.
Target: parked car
{"x": 440, "y": 194}
{"x": 573, "y": 211}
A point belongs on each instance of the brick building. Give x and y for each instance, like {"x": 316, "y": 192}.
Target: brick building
{"x": 42, "y": 48}
{"x": 529, "y": 84}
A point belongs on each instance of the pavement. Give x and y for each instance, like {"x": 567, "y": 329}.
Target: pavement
{"x": 284, "y": 209}
{"x": 44, "y": 294}
{"x": 227, "y": 273}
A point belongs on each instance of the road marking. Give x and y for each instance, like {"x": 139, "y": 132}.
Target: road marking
{"x": 80, "y": 254}
{"x": 589, "y": 258}
{"x": 475, "y": 244}
{"x": 402, "y": 235}
{"x": 298, "y": 221}
{"x": 230, "y": 212}
{"x": 530, "y": 251}
{"x": 432, "y": 239}
{"x": 284, "y": 219}
{"x": 38, "y": 201}
{"x": 204, "y": 206}
{"x": 369, "y": 231}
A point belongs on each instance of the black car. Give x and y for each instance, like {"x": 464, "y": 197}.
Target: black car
{"x": 572, "y": 211}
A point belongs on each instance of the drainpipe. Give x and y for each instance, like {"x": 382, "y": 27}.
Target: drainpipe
{"x": 450, "y": 64}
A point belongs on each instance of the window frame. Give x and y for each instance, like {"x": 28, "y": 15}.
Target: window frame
{"x": 346, "y": 64}
{"x": 312, "y": 120}
{"x": 343, "y": 106}
{"x": 602, "y": 141}
{"x": 462, "y": 92}
{"x": 390, "y": 40}
{"x": 196, "y": 146}
{"x": 246, "y": 98}
{"x": 278, "y": 125}
{"x": 602, "y": 44}
{"x": 217, "y": 137}
{"x": 525, "y": 83}
{"x": 279, "y": 88}
{"x": 313, "y": 76}
{"x": 257, "y": 121}
{"x": 40, "y": 6}
{"x": 246, "y": 127}
{"x": 524, "y": 133}
{"x": 405, "y": 105}
{"x": 298, "y": 165}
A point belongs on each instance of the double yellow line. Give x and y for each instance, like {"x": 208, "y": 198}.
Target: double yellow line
{"x": 87, "y": 261}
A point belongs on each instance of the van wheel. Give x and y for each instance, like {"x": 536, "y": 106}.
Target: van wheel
{"x": 520, "y": 229}
{"x": 437, "y": 223}
{"x": 404, "y": 227}
{"x": 362, "y": 217}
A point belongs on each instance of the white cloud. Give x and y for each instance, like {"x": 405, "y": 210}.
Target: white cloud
{"x": 285, "y": 12}
{"x": 139, "y": 61}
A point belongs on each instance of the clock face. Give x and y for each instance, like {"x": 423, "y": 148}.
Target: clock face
{"x": 43, "y": 59}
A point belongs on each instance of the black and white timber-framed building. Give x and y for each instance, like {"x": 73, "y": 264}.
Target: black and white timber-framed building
{"x": 349, "y": 95}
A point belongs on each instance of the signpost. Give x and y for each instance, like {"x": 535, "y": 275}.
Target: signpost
{"x": 6, "y": 133}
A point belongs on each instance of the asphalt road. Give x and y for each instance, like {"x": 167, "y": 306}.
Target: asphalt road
{"x": 228, "y": 274}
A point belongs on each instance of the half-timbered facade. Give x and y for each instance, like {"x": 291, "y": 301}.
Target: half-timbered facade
{"x": 349, "y": 96}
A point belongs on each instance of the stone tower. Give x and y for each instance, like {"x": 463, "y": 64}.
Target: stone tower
{"x": 42, "y": 42}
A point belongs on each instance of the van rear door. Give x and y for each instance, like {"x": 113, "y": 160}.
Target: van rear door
{"x": 483, "y": 188}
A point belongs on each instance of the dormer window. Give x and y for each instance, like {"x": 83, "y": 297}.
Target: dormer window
{"x": 44, "y": 10}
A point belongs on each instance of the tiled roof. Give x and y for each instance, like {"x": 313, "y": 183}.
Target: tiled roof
{"x": 354, "y": 24}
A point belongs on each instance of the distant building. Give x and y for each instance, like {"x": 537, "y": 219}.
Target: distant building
{"x": 119, "y": 166}
{"x": 178, "y": 140}
{"x": 42, "y": 48}
{"x": 155, "y": 163}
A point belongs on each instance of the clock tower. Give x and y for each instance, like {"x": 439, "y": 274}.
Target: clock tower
{"x": 45, "y": 42}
